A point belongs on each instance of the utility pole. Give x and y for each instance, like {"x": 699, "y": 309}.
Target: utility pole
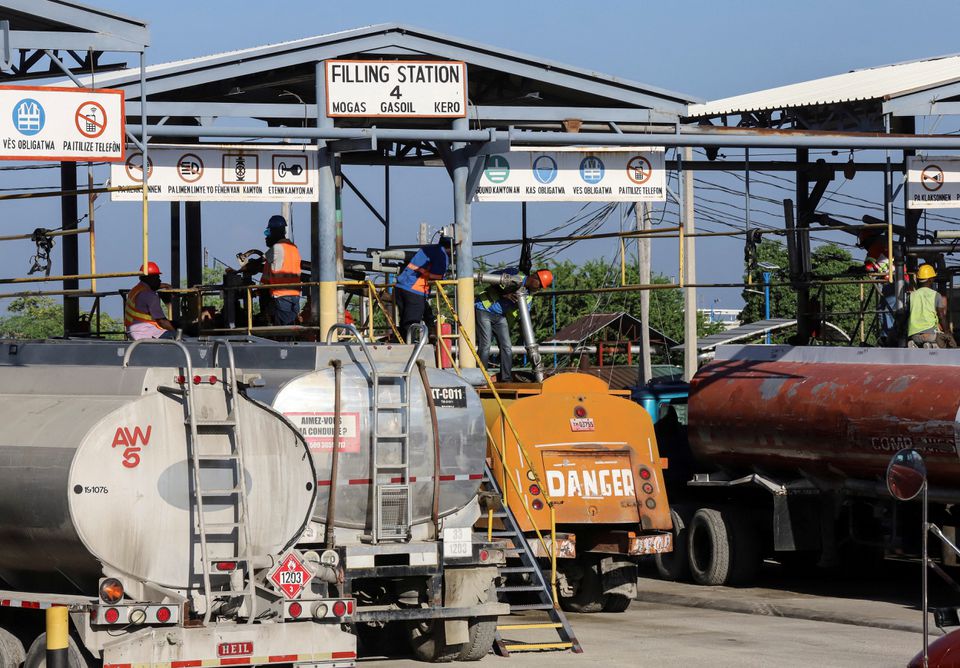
{"x": 690, "y": 271}
{"x": 642, "y": 214}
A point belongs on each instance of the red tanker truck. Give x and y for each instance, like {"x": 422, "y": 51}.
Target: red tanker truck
{"x": 784, "y": 454}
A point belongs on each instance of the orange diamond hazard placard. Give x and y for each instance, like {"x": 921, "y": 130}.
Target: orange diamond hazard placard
{"x": 291, "y": 576}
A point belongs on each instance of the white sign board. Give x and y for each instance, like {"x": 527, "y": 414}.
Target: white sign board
{"x": 222, "y": 174}
{"x": 396, "y": 88}
{"x": 574, "y": 176}
{"x": 933, "y": 182}
{"x": 67, "y": 124}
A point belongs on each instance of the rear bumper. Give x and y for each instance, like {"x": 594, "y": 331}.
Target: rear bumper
{"x": 604, "y": 542}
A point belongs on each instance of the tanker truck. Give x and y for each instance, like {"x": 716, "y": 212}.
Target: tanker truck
{"x": 785, "y": 453}
{"x": 406, "y": 474}
{"x": 596, "y": 454}
{"x": 160, "y": 508}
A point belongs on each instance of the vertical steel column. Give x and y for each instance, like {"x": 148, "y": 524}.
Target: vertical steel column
{"x": 175, "y": 254}
{"x": 464, "y": 244}
{"x": 803, "y": 246}
{"x": 144, "y": 139}
{"x": 71, "y": 247}
{"x": 386, "y": 206}
{"x": 338, "y": 187}
{"x": 194, "y": 238}
{"x": 643, "y": 258}
{"x": 323, "y": 242}
{"x": 690, "y": 271}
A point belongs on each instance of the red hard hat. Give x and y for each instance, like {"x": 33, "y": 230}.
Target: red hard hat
{"x": 152, "y": 269}
{"x": 545, "y": 276}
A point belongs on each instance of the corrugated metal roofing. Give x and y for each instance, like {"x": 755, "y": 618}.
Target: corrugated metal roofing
{"x": 875, "y": 83}
{"x": 588, "y": 326}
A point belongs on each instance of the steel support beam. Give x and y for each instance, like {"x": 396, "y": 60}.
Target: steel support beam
{"x": 460, "y": 172}
{"x": 174, "y": 270}
{"x": 689, "y": 271}
{"x": 194, "y": 239}
{"x": 70, "y": 248}
{"x": 324, "y": 243}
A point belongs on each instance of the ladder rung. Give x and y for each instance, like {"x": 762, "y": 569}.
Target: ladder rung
{"x": 222, "y": 525}
{"x": 216, "y": 458}
{"x": 531, "y": 606}
{"x": 392, "y": 407}
{"x": 533, "y": 647}
{"x": 216, "y": 423}
{"x": 392, "y": 437}
{"x": 529, "y": 627}
{"x": 517, "y": 569}
{"x": 503, "y": 533}
{"x": 520, "y": 588}
{"x": 219, "y": 492}
{"x": 220, "y": 560}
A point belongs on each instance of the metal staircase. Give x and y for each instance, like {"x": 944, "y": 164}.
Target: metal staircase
{"x": 390, "y": 449}
{"x": 525, "y": 588}
{"x": 236, "y": 533}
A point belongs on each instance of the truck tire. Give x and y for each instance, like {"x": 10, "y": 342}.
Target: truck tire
{"x": 11, "y": 650}
{"x": 37, "y": 654}
{"x": 428, "y": 642}
{"x": 708, "y": 544}
{"x": 589, "y": 597}
{"x": 616, "y": 603}
{"x": 482, "y": 633}
{"x": 675, "y": 566}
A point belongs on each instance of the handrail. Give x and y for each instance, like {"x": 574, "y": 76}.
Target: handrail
{"x": 415, "y": 355}
{"x": 352, "y": 330}
{"x": 169, "y": 342}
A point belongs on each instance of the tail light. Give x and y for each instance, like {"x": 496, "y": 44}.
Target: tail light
{"x": 111, "y": 590}
{"x": 537, "y": 504}
{"x": 163, "y": 615}
{"x": 579, "y": 411}
{"x": 647, "y": 488}
{"x": 644, "y": 473}
{"x": 295, "y": 610}
{"x": 535, "y": 489}
{"x": 651, "y": 504}
{"x": 197, "y": 380}
{"x": 320, "y": 610}
{"x": 339, "y": 609}
{"x": 484, "y": 556}
{"x": 111, "y": 616}
{"x": 180, "y": 380}
{"x": 224, "y": 566}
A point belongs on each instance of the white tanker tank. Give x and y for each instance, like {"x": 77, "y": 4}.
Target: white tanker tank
{"x": 98, "y": 480}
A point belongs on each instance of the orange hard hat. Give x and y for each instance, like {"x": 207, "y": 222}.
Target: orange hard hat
{"x": 545, "y": 276}
{"x": 152, "y": 269}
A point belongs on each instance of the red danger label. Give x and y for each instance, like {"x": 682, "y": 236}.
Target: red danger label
{"x": 291, "y": 576}
{"x": 235, "y": 649}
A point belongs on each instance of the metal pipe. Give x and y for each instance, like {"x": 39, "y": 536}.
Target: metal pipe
{"x": 92, "y": 239}
{"x": 463, "y": 241}
{"x": 529, "y": 337}
{"x": 66, "y": 193}
{"x": 144, "y": 138}
{"x": 685, "y": 137}
{"x": 926, "y": 565}
{"x": 328, "y": 538}
{"x": 435, "y": 425}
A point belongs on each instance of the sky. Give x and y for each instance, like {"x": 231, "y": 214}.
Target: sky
{"x": 705, "y": 49}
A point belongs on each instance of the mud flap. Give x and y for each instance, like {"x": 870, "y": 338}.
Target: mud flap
{"x": 465, "y": 588}
{"x": 618, "y": 576}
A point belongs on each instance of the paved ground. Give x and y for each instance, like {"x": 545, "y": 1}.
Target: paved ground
{"x": 785, "y": 622}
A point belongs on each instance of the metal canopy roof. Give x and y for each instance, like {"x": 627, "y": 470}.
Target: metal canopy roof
{"x": 881, "y": 84}
{"x": 61, "y": 24}
{"x": 504, "y": 86}
{"x": 623, "y": 324}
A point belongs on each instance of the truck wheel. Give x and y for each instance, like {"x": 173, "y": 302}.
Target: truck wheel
{"x": 589, "y": 597}
{"x": 482, "y": 633}
{"x": 428, "y": 642}
{"x": 11, "y": 650}
{"x": 708, "y": 544}
{"x": 37, "y": 654}
{"x": 675, "y": 566}
{"x": 616, "y": 603}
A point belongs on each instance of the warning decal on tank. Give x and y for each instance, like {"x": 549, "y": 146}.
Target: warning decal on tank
{"x": 449, "y": 397}
{"x": 317, "y": 430}
{"x": 291, "y": 576}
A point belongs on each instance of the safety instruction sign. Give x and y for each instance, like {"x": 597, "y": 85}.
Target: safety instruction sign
{"x": 933, "y": 182}
{"x": 574, "y": 176}
{"x": 66, "y": 124}
{"x": 317, "y": 430}
{"x": 396, "y": 88}
{"x": 220, "y": 174}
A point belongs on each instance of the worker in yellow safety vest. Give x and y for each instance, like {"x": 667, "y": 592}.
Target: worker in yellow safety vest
{"x": 281, "y": 265}
{"x": 928, "y": 325}
{"x": 496, "y": 311}
{"x": 143, "y": 314}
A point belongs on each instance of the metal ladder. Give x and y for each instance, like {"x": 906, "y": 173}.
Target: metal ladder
{"x": 392, "y": 508}
{"x": 231, "y": 426}
{"x": 522, "y": 565}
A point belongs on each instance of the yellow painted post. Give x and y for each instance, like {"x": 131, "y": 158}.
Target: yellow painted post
{"x": 467, "y": 319}
{"x": 58, "y": 637}
{"x": 328, "y": 306}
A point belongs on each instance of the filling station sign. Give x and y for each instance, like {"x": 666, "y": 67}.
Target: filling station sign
{"x": 933, "y": 182}
{"x": 221, "y": 174}
{"x": 396, "y": 89}
{"x": 68, "y": 124}
{"x": 576, "y": 175}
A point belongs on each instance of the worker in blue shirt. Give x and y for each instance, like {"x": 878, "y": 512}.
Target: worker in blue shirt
{"x": 413, "y": 284}
{"x": 496, "y": 310}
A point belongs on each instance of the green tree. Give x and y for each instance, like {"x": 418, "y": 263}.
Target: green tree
{"x": 41, "y": 318}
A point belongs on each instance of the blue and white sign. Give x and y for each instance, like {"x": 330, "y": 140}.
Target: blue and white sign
{"x": 591, "y": 169}
{"x": 544, "y": 169}
{"x": 613, "y": 174}
{"x": 28, "y": 117}
{"x": 56, "y": 123}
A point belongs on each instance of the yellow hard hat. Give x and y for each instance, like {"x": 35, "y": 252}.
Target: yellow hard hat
{"x": 926, "y": 272}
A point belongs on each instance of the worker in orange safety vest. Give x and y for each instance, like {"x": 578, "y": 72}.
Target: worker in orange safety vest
{"x": 143, "y": 314}
{"x": 281, "y": 265}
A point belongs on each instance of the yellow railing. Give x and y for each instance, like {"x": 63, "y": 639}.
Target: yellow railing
{"x": 501, "y": 451}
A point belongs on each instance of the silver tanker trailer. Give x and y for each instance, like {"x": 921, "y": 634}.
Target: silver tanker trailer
{"x": 407, "y": 472}
{"x": 161, "y": 507}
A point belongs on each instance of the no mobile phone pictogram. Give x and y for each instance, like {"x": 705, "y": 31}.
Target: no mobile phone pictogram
{"x": 91, "y": 119}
